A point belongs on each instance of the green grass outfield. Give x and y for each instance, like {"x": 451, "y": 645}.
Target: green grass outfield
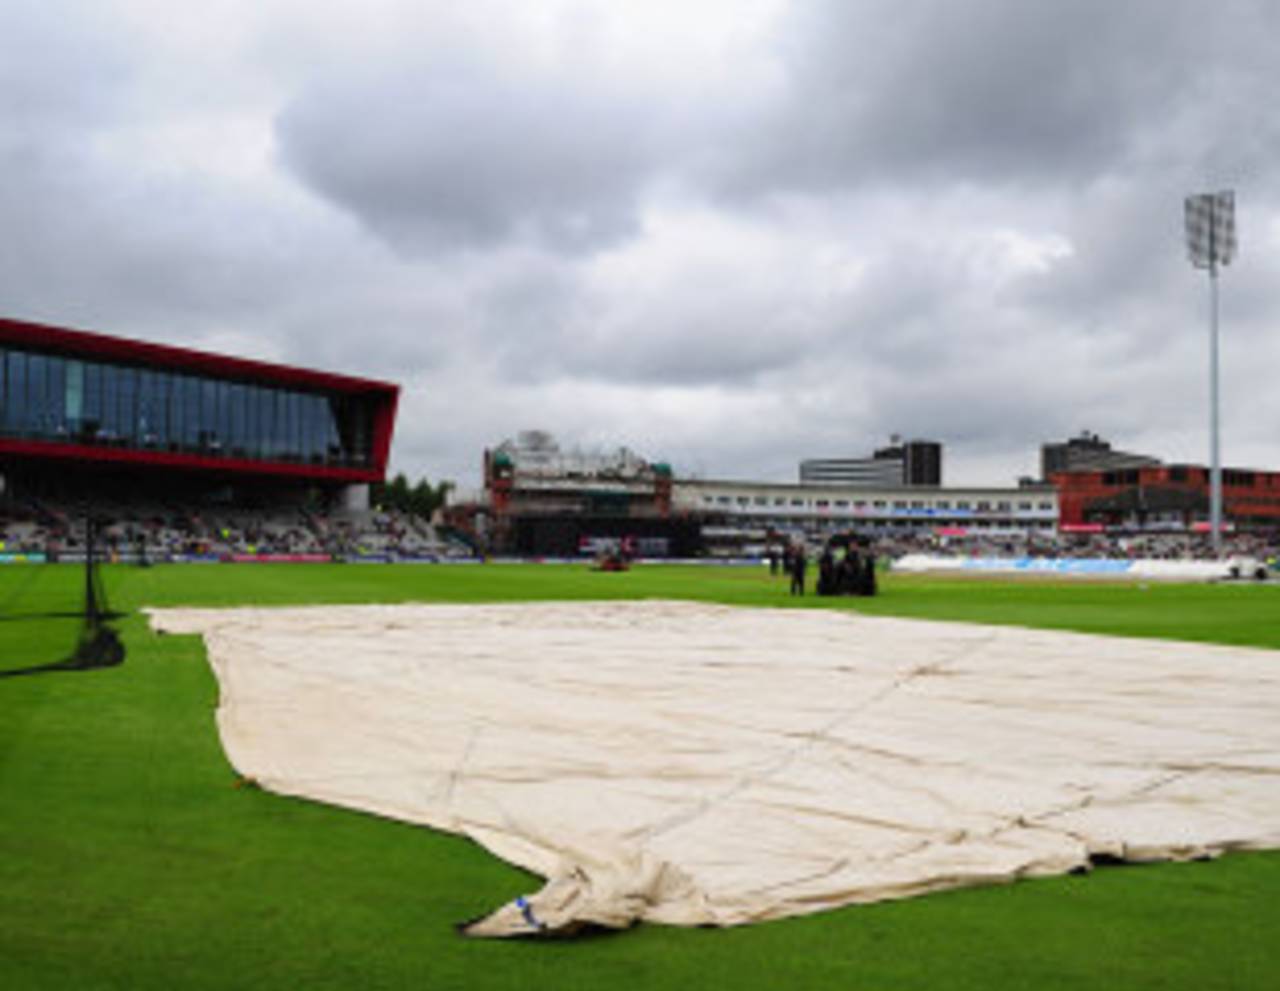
{"x": 130, "y": 859}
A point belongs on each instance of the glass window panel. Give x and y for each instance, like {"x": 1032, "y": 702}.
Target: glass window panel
{"x": 235, "y": 431}
{"x": 111, "y": 402}
{"x": 304, "y": 427}
{"x": 315, "y": 428}
{"x": 35, "y": 369}
{"x": 295, "y": 425}
{"x": 222, "y": 427}
{"x": 259, "y": 421}
{"x": 96, "y": 393}
{"x": 284, "y": 440}
{"x": 127, "y": 394}
{"x": 164, "y": 409}
{"x": 213, "y": 414}
{"x": 287, "y": 444}
{"x": 127, "y": 391}
{"x": 73, "y": 400}
{"x": 263, "y": 442}
{"x": 110, "y": 418}
{"x": 231, "y": 419}
{"x": 56, "y": 393}
{"x": 234, "y": 415}
{"x": 190, "y": 390}
{"x": 332, "y": 441}
{"x": 149, "y": 407}
{"x": 50, "y": 396}
{"x": 251, "y": 420}
{"x": 207, "y": 413}
{"x": 328, "y": 433}
{"x": 16, "y": 393}
{"x": 322, "y": 427}
{"x": 38, "y": 418}
{"x": 336, "y": 447}
{"x": 279, "y": 435}
{"x": 143, "y": 409}
{"x": 266, "y": 429}
{"x": 173, "y": 402}
{"x": 246, "y": 423}
{"x": 361, "y": 432}
{"x": 213, "y": 425}
{"x": 172, "y": 437}
{"x": 19, "y": 383}
{"x": 91, "y": 399}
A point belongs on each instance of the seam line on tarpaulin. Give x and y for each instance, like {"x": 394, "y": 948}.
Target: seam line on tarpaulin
{"x": 812, "y": 738}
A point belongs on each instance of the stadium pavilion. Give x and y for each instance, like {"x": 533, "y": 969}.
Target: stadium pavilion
{"x": 86, "y": 415}
{"x": 543, "y": 500}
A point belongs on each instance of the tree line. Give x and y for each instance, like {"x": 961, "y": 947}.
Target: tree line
{"x": 420, "y": 499}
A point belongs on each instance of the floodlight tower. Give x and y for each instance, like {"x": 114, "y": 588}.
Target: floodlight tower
{"x": 1211, "y": 241}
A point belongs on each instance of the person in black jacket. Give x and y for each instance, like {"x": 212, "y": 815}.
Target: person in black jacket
{"x": 799, "y": 562}
{"x": 827, "y": 572}
{"x": 850, "y": 571}
{"x": 868, "y": 585}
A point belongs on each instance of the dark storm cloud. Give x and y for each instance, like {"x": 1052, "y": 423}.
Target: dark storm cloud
{"x": 997, "y": 91}
{"x": 458, "y": 154}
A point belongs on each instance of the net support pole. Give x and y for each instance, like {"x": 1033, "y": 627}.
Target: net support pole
{"x": 91, "y": 610}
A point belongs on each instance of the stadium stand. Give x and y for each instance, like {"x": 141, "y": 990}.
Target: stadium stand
{"x": 158, "y": 532}
{"x": 1161, "y": 546}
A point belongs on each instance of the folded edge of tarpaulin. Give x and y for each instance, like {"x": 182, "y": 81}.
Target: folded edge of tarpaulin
{"x": 640, "y": 887}
{"x": 613, "y": 894}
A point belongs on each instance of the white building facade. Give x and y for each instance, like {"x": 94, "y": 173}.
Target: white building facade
{"x": 744, "y": 515}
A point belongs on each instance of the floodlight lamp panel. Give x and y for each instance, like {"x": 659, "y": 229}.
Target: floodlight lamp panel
{"x": 1199, "y": 214}
{"x": 1211, "y": 228}
{"x": 1224, "y": 226}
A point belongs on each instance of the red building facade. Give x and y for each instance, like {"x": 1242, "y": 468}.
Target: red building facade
{"x": 75, "y": 401}
{"x": 1165, "y": 497}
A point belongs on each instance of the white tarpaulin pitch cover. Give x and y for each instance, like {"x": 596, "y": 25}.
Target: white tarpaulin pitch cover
{"x": 694, "y": 764}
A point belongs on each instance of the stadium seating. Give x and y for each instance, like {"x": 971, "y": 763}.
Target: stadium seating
{"x": 165, "y": 533}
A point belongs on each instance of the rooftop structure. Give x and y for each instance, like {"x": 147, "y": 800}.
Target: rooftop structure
{"x": 1088, "y": 452}
{"x": 912, "y": 463}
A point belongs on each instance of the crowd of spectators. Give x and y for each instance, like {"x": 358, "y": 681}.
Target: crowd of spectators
{"x": 156, "y": 532}
{"x": 1148, "y": 546}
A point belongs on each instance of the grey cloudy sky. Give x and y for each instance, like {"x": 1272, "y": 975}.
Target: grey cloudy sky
{"x": 729, "y": 234}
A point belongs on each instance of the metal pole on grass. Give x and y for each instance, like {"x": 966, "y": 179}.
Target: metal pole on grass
{"x": 1211, "y": 241}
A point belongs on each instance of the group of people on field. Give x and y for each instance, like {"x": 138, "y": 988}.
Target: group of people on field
{"x": 845, "y": 567}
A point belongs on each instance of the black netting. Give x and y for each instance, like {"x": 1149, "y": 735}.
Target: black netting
{"x": 56, "y": 617}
